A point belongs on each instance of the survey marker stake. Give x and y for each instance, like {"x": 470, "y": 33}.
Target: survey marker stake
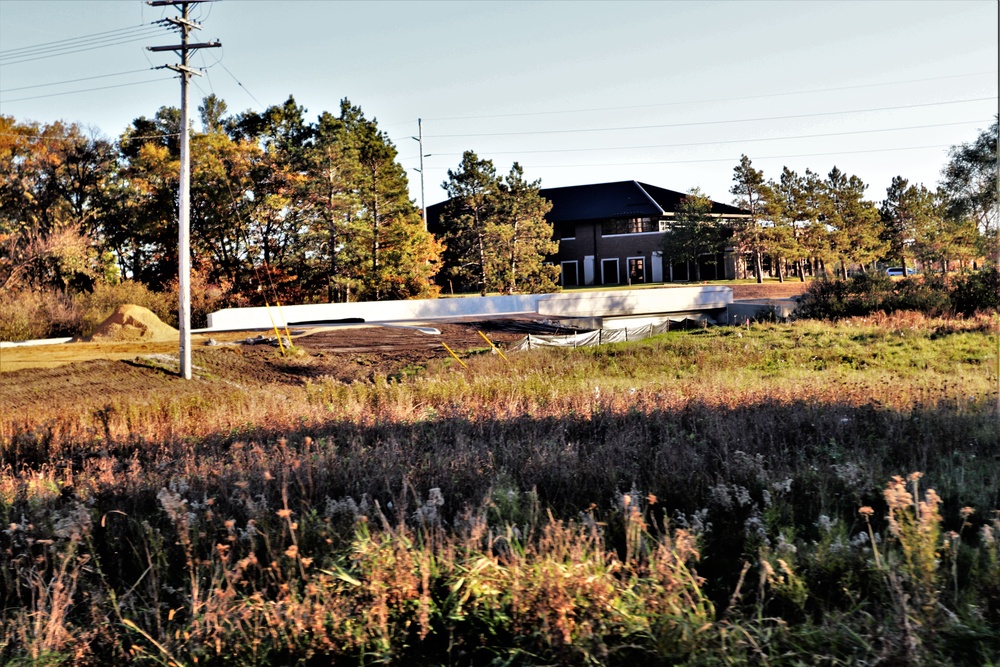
{"x": 454, "y": 355}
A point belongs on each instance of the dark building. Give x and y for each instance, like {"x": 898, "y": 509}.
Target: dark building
{"x": 612, "y": 233}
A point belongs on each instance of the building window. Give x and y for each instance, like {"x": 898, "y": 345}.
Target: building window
{"x": 629, "y": 226}
{"x": 609, "y": 272}
{"x": 636, "y": 270}
{"x": 567, "y": 233}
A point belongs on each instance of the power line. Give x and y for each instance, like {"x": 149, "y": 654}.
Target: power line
{"x": 714, "y": 143}
{"x": 82, "y": 46}
{"x": 716, "y": 99}
{"x": 709, "y": 122}
{"x": 80, "y": 50}
{"x": 730, "y": 159}
{"x": 86, "y": 78}
{"x": 240, "y": 84}
{"x": 9, "y": 53}
{"x": 86, "y": 90}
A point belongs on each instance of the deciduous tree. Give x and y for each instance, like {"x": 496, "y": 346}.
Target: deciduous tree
{"x": 51, "y": 186}
{"x": 692, "y": 232}
{"x": 970, "y": 183}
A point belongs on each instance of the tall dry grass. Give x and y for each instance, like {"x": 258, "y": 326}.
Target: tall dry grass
{"x": 689, "y": 499}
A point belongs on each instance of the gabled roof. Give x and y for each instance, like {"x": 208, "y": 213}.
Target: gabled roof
{"x": 601, "y": 201}
{"x": 623, "y": 199}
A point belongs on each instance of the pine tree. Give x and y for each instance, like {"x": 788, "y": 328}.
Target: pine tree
{"x": 330, "y": 205}
{"x": 395, "y": 257}
{"x": 814, "y": 236}
{"x": 944, "y": 236}
{"x": 467, "y": 220}
{"x": 854, "y": 222}
{"x": 909, "y": 212}
{"x": 496, "y": 234}
{"x": 522, "y": 237}
{"x": 787, "y": 208}
{"x": 751, "y": 192}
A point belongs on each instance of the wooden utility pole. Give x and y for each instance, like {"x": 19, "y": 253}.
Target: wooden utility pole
{"x": 184, "y": 49}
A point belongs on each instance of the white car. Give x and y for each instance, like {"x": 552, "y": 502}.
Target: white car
{"x": 898, "y": 271}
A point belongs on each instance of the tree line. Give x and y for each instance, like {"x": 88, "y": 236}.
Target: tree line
{"x": 281, "y": 207}
{"x": 809, "y": 224}
{"x": 318, "y": 210}
{"x": 311, "y": 210}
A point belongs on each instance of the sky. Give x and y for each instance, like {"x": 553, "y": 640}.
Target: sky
{"x": 667, "y": 93}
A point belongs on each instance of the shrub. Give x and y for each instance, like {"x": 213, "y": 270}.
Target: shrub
{"x": 931, "y": 295}
{"x": 927, "y": 294}
{"x": 30, "y": 314}
{"x": 206, "y": 297}
{"x": 977, "y": 291}
{"x": 837, "y": 299}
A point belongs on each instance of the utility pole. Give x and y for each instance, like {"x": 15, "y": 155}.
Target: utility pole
{"x": 420, "y": 138}
{"x": 184, "y": 49}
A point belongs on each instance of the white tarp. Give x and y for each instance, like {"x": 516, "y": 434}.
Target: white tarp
{"x": 601, "y": 336}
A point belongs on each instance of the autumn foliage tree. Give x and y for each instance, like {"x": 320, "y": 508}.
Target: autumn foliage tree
{"x": 51, "y": 184}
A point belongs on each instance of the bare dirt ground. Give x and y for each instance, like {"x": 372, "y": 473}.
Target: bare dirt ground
{"x": 769, "y": 290}
{"x": 83, "y": 374}
{"x": 93, "y": 372}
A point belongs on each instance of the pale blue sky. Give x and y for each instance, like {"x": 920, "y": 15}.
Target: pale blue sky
{"x": 552, "y": 85}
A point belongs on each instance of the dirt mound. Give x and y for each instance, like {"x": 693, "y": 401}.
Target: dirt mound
{"x": 769, "y": 290}
{"x": 136, "y": 323}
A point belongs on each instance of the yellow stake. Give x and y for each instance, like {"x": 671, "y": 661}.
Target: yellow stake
{"x": 454, "y": 355}
{"x": 275, "y": 325}
{"x": 285, "y": 320}
{"x": 495, "y": 348}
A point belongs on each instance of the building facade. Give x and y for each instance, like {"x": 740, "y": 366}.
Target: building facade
{"x": 612, "y": 234}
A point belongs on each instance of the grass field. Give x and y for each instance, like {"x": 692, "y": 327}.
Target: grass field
{"x": 809, "y": 493}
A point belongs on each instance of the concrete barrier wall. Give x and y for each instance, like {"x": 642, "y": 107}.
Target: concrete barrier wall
{"x": 374, "y": 311}
{"x": 635, "y": 302}
{"x": 620, "y": 302}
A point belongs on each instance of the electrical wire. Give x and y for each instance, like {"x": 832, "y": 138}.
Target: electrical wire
{"x": 72, "y": 41}
{"x": 712, "y": 143}
{"x": 223, "y": 65}
{"x": 730, "y": 159}
{"x": 86, "y": 90}
{"x": 81, "y": 50}
{"x": 716, "y": 99}
{"x": 86, "y": 78}
{"x": 707, "y": 122}
{"x": 25, "y": 57}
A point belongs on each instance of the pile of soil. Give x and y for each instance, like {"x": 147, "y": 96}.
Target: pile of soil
{"x": 133, "y": 323}
{"x": 769, "y": 290}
